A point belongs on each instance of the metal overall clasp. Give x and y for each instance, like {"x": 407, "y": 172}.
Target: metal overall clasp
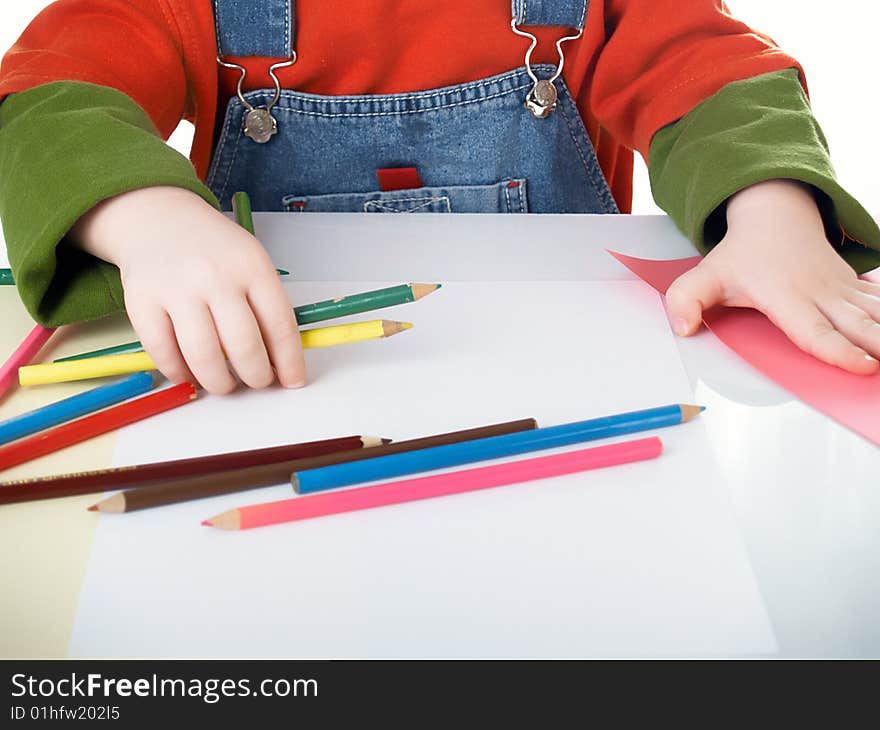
{"x": 259, "y": 124}
{"x": 541, "y": 99}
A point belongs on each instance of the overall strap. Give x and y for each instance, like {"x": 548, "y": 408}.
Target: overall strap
{"x": 568, "y": 13}
{"x": 254, "y": 27}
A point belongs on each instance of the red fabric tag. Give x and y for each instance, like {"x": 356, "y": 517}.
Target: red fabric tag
{"x": 398, "y": 178}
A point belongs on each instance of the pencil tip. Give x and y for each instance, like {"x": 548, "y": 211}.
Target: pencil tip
{"x": 688, "y": 412}
{"x": 385, "y": 442}
{"x": 391, "y": 328}
{"x": 422, "y": 290}
{"x": 93, "y": 508}
{"x": 207, "y": 523}
{"x": 283, "y": 272}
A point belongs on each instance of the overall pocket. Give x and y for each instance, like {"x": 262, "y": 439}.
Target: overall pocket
{"x": 507, "y": 196}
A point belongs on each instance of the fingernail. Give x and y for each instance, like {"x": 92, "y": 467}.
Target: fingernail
{"x": 680, "y": 326}
{"x": 297, "y": 384}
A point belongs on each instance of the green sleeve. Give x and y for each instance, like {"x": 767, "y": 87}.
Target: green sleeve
{"x": 64, "y": 147}
{"x": 753, "y": 130}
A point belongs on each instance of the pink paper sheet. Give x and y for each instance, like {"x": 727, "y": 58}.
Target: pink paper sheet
{"x": 851, "y": 400}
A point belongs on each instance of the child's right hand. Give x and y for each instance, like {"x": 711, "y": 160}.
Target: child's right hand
{"x": 196, "y": 286}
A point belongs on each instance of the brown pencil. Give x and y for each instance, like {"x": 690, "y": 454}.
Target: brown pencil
{"x": 182, "y": 490}
{"x": 90, "y": 482}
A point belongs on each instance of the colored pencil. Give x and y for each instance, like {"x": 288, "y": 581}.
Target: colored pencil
{"x": 25, "y": 352}
{"x": 6, "y": 278}
{"x": 241, "y": 208}
{"x": 100, "y": 367}
{"x": 123, "y": 349}
{"x": 494, "y": 447}
{"x": 439, "y": 485}
{"x": 91, "y": 482}
{"x": 96, "y": 424}
{"x": 311, "y": 313}
{"x": 363, "y": 302}
{"x": 74, "y": 407}
{"x": 173, "y": 491}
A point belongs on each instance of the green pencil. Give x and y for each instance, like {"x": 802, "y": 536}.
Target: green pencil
{"x": 311, "y": 313}
{"x": 6, "y": 277}
{"x": 241, "y": 207}
{"x": 364, "y": 302}
{"x": 115, "y": 350}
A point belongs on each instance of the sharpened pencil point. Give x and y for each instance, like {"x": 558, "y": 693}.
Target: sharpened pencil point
{"x": 206, "y": 523}
{"x": 422, "y": 290}
{"x": 93, "y": 508}
{"x": 385, "y": 442}
{"x": 688, "y": 412}
{"x": 391, "y": 328}
{"x": 283, "y": 272}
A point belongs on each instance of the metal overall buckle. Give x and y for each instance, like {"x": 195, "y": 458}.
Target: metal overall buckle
{"x": 259, "y": 124}
{"x": 541, "y": 100}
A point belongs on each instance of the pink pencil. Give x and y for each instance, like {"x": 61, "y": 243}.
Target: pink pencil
{"x": 440, "y": 485}
{"x": 25, "y": 353}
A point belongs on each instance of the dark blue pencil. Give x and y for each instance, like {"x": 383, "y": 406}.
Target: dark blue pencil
{"x": 74, "y": 407}
{"x": 493, "y": 447}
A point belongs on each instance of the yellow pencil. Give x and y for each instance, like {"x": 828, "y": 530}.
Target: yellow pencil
{"x": 134, "y": 362}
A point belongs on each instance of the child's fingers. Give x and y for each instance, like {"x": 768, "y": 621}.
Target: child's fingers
{"x": 811, "y": 330}
{"x": 690, "y": 294}
{"x": 241, "y": 340}
{"x": 200, "y": 347}
{"x": 156, "y": 334}
{"x": 855, "y": 324}
{"x": 869, "y": 288}
{"x": 866, "y": 302}
{"x": 280, "y": 333}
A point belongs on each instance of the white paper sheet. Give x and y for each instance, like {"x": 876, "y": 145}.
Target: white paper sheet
{"x": 638, "y": 560}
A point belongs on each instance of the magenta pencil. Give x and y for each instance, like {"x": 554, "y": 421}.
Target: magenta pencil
{"x": 440, "y": 485}
{"x": 23, "y": 355}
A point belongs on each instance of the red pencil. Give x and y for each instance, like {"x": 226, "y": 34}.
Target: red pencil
{"x": 60, "y": 437}
{"x": 439, "y": 485}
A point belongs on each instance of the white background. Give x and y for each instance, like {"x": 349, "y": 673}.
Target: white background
{"x": 837, "y": 43}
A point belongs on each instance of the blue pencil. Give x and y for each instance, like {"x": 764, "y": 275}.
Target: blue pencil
{"x": 493, "y": 447}
{"x": 74, "y": 407}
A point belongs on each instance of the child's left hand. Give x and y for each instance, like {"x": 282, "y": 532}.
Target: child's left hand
{"x": 776, "y": 258}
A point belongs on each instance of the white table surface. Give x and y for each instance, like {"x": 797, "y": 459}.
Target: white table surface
{"x": 805, "y": 492}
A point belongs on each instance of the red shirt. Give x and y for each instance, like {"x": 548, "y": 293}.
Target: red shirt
{"x": 640, "y": 65}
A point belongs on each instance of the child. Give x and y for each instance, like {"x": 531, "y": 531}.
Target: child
{"x": 303, "y": 102}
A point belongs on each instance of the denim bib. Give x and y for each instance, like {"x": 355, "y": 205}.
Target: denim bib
{"x": 478, "y": 147}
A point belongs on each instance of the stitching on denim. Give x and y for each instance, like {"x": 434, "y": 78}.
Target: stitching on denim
{"x": 380, "y": 204}
{"x": 507, "y": 196}
{"x": 218, "y": 155}
{"x": 582, "y": 20}
{"x": 521, "y": 191}
{"x": 286, "y": 93}
{"x": 231, "y": 163}
{"x": 600, "y": 187}
{"x": 400, "y": 113}
{"x": 524, "y": 5}
{"x": 288, "y": 39}
{"x": 216, "y": 5}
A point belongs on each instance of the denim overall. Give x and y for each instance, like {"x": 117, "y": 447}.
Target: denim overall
{"x": 477, "y": 147}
